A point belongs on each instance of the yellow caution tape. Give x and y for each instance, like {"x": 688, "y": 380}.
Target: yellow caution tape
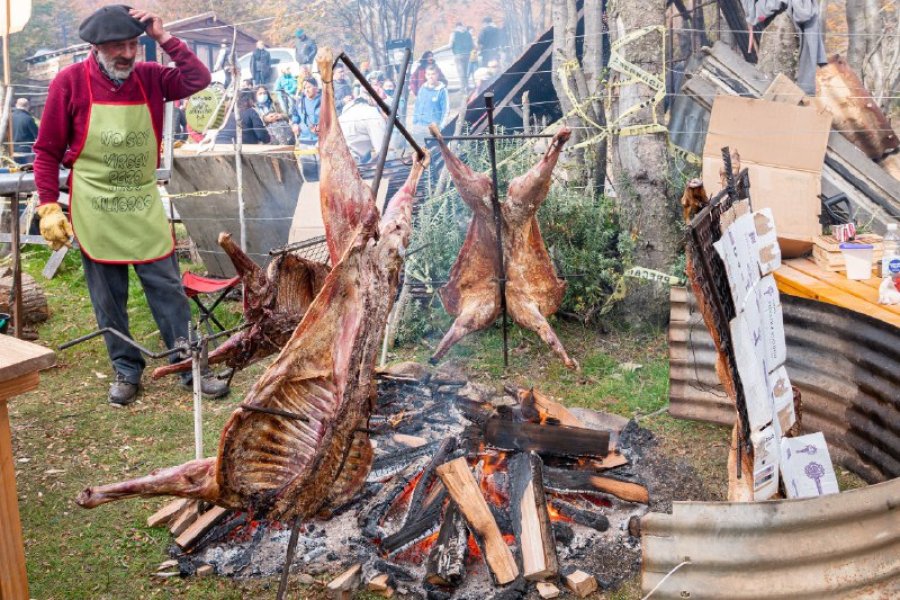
{"x": 651, "y": 275}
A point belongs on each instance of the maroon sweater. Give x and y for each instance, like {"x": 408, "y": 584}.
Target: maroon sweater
{"x": 64, "y": 121}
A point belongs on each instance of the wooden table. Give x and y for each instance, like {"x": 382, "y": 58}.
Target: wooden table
{"x": 802, "y": 277}
{"x": 19, "y": 365}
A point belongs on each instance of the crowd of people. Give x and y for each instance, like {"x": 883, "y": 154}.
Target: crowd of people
{"x": 284, "y": 110}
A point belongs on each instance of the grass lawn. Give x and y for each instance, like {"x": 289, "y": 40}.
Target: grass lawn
{"x": 67, "y": 437}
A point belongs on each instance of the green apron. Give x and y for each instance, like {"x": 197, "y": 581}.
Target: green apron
{"x": 116, "y": 211}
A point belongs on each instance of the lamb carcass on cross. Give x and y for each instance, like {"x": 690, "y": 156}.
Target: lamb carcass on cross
{"x": 274, "y": 301}
{"x": 278, "y": 466}
{"x": 533, "y": 291}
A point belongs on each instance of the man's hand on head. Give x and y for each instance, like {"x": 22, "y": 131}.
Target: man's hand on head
{"x": 154, "y": 25}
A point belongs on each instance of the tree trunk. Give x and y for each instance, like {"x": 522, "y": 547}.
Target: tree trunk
{"x": 856, "y": 35}
{"x": 779, "y": 48}
{"x": 640, "y": 162}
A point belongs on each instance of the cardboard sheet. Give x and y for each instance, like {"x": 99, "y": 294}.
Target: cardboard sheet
{"x": 806, "y": 467}
{"x": 784, "y": 148}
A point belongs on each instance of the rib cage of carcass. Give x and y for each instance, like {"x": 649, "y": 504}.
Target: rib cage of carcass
{"x": 278, "y": 466}
{"x": 533, "y": 291}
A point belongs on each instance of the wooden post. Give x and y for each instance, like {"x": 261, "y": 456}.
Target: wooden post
{"x": 19, "y": 365}
{"x": 465, "y": 492}
{"x": 530, "y": 518}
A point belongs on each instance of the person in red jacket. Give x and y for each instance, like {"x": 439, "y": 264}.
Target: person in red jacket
{"x": 103, "y": 120}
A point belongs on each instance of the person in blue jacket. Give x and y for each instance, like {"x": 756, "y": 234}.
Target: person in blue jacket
{"x": 432, "y": 104}
{"x": 305, "y": 116}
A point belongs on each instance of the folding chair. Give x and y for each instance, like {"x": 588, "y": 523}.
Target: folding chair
{"x": 195, "y": 285}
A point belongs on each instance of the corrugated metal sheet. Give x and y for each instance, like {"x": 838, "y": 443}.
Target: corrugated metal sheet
{"x": 846, "y": 364}
{"x": 840, "y": 546}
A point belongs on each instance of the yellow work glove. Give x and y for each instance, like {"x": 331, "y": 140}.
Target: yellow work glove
{"x": 55, "y": 227}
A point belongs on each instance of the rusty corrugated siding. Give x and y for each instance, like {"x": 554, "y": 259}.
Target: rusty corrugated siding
{"x": 846, "y": 364}
{"x": 840, "y": 546}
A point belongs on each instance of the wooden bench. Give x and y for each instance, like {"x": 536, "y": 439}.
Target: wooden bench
{"x": 802, "y": 277}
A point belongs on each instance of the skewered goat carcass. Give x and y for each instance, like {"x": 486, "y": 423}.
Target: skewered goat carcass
{"x": 274, "y": 302}
{"x": 533, "y": 291}
{"x": 282, "y": 467}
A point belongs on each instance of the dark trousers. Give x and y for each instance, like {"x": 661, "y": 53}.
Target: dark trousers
{"x": 108, "y": 287}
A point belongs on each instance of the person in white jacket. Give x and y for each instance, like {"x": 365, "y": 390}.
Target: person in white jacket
{"x": 364, "y": 129}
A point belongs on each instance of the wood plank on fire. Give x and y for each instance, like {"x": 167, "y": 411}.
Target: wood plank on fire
{"x": 546, "y": 439}
{"x": 530, "y": 518}
{"x": 584, "y": 481}
{"x": 446, "y": 564}
{"x": 464, "y": 490}
{"x": 536, "y": 405}
{"x": 200, "y": 526}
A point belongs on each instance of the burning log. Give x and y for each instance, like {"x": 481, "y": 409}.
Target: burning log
{"x": 371, "y": 521}
{"x": 447, "y": 560}
{"x": 561, "y": 480}
{"x": 582, "y": 517}
{"x": 465, "y": 492}
{"x": 552, "y": 440}
{"x": 422, "y": 526}
{"x": 530, "y": 519}
{"x": 537, "y": 407}
{"x": 429, "y": 475}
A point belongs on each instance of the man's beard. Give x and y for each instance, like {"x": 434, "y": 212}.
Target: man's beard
{"x": 114, "y": 71}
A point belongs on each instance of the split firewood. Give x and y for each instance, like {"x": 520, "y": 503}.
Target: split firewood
{"x": 185, "y": 519}
{"x": 581, "y": 583}
{"x": 530, "y": 518}
{"x": 466, "y": 493}
{"x": 547, "y": 590}
{"x": 446, "y": 564}
{"x": 205, "y": 570}
{"x": 167, "y": 513}
{"x": 693, "y": 200}
{"x": 411, "y": 441}
{"x": 167, "y": 564}
{"x": 344, "y": 585}
{"x": 200, "y": 526}
{"x": 379, "y": 583}
{"x": 587, "y": 518}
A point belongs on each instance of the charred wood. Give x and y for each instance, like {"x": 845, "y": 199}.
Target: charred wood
{"x": 446, "y": 564}
{"x": 551, "y": 440}
{"x": 429, "y": 475}
{"x": 371, "y": 521}
{"x": 421, "y": 526}
{"x": 582, "y": 517}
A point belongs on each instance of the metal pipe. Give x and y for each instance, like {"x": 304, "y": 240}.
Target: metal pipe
{"x": 16, "y": 287}
{"x": 198, "y": 391}
{"x": 392, "y": 119}
{"x": 498, "y": 224}
{"x": 273, "y": 411}
{"x": 143, "y": 350}
{"x": 381, "y": 104}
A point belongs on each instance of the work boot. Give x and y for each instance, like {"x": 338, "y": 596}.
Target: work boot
{"x": 210, "y": 385}
{"x": 122, "y": 392}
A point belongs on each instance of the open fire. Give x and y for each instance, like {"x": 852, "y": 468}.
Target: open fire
{"x": 472, "y": 492}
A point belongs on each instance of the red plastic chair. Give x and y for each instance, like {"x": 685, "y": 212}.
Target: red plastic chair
{"x": 195, "y": 285}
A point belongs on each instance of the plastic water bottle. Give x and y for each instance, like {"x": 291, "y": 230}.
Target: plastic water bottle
{"x": 890, "y": 260}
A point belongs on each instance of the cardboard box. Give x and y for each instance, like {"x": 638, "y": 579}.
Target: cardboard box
{"x": 782, "y": 396}
{"x": 765, "y": 463}
{"x": 806, "y": 467}
{"x": 784, "y": 148}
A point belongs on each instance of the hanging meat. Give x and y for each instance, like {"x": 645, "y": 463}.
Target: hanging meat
{"x": 275, "y": 464}
{"x": 533, "y": 291}
{"x": 274, "y": 302}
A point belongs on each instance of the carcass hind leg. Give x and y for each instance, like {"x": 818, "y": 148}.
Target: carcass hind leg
{"x": 526, "y": 314}
{"x": 472, "y": 317}
{"x": 195, "y": 479}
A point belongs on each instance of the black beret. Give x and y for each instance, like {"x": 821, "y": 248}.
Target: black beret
{"x": 111, "y": 24}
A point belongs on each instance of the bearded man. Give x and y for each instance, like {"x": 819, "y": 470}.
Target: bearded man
{"x": 104, "y": 119}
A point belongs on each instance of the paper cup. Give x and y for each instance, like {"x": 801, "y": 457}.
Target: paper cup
{"x": 859, "y": 260}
